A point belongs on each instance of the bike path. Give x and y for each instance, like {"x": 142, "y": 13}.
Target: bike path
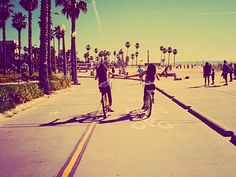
{"x": 171, "y": 142}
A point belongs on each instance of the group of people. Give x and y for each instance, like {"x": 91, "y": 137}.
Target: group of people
{"x": 208, "y": 72}
{"x": 103, "y": 74}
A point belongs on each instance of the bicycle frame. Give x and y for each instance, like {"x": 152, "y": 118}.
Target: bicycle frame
{"x": 148, "y": 103}
{"x": 105, "y": 104}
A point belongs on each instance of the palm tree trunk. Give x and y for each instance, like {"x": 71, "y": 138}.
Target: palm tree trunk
{"x": 64, "y": 56}
{"x": 19, "y": 47}
{"x": 4, "y": 48}
{"x": 54, "y": 56}
{"x": 43, "y": 47}
{"x": 58, "y": 55}
{"x": 30, "y": 43}
{"x": 73, "y": 47}
{"x": 49, "y": 38}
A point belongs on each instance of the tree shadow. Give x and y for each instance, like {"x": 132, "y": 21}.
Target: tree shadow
{"x": 134, "y": 115}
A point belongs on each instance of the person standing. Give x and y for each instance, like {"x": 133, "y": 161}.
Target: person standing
{"x": 213, "y": 76}
{"x": 231, "y": 72}
{"x": 207, "y": 73}
{"x": 225, "y": 71}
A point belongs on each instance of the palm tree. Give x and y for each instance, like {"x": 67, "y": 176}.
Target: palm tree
{"x": 161, "y": 49}
{"x": 164, "y": 52}
{"x": 72, "y": 9}
{"x": 43, "y": 72}
{"x": 169, "y": 50}
{"x": 132, "y": 57}
{"x": 136, "y": 55}
{"x": 53, "y": 50}
{"x": 49, "y": 59}
{"x": 5, "y": 13}
{"x": 57, "y": 32}
{"x": 19, "y": 23}
{"x": 175, "y": 52}
{"x": 63, "y": 30}
{"x": 127, "y": 45}
{"x": 137, "y": 47}
{"x": 114, "y": 53}
{"x": 29, "y": 6}
{"x": 95, "y": 51}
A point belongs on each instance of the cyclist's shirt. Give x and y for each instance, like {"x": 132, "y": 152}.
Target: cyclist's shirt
{"x": 102, "y": 78}
{"x": 149, "y": 83}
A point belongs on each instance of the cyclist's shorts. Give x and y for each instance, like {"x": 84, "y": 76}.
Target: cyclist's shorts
{"x": 150, "y": 87}
{"x": 104, "y": 89}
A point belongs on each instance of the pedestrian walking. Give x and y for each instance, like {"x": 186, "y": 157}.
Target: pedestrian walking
{"x": 207, "y": 73}
{"x": 212, "y": 77}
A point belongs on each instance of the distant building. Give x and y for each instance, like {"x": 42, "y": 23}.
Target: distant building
{"x": 11, "y": 50}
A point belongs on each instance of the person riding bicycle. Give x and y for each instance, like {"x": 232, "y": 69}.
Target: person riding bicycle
{"x": 102, "y": 74}
{"x": 149, "y": 81}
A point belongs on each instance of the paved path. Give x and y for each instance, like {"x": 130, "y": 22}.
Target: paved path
{"x": 170, "y": 143}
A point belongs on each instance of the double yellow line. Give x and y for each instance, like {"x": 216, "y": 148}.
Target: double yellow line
{"x": 71, "y": 165}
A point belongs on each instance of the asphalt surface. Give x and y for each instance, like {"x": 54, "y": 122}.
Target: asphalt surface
{"x": 62, "y": 134}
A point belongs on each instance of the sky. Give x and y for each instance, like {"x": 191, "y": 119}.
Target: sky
{"x": 198, "y": 29}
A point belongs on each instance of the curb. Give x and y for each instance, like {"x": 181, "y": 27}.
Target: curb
{"x": 181, "y": 104}
{"x": 205, "y": 119}
{"x": 211, "y": 123}
{"x": 233, "y": 140}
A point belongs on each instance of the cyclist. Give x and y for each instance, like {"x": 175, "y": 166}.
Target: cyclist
{"x": 149, "y": 81}
{"x": 102, "y": 74}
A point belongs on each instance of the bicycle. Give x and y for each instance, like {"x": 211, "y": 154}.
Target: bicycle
{"x": 105, "y": 104}
{"x": 148, "y": 103}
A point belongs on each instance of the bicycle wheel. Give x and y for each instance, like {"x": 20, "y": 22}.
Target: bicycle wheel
{"x": 104, "y": 109}
{"x": 148, "y": 105}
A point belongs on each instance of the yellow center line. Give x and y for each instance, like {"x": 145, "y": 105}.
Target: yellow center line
{"x": 78, "y": 151}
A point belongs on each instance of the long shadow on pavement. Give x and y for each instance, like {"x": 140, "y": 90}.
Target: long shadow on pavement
{"x": 134, "y": 115}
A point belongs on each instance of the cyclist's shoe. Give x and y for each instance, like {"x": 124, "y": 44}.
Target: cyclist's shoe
{"x": 144, "y": 107}
{"x": 110, "y": 110}
{"x": 153, "y": 101}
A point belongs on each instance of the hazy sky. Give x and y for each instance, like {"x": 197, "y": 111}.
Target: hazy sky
{"x": 199, "y": 29}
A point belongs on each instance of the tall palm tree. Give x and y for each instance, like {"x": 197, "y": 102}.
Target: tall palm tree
{"x": 127, "y": 45}
{"x": 29, "y": 6}
{"x": 49, "y": 37}
{"x": 57, "y": 32}
{"x": 43, "y": 72}
{"x": 169, "y": 50}
{"x": 19, "y": 23}
{"x": 136, "y": 56}
{"x": 95, "y": 51}
{"x": 164, "y": 52}
{"x": 132, "y": 57}
{"x": 5, "y": 13}
{"x": 72, "y": 9}
{"x": 161, "y": 49}
{"x": 137, "y": 47}
{"x": 63, "y": 30}
{"x": 114, "y": 53}
{"x": 175, "y": 52}
{"x": 53, "y": 50}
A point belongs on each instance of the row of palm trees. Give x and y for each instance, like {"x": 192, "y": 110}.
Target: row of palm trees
{"x": 119, "y": 55}
{"x": 169, "y": 50}
{"x": 70, "y": 8}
